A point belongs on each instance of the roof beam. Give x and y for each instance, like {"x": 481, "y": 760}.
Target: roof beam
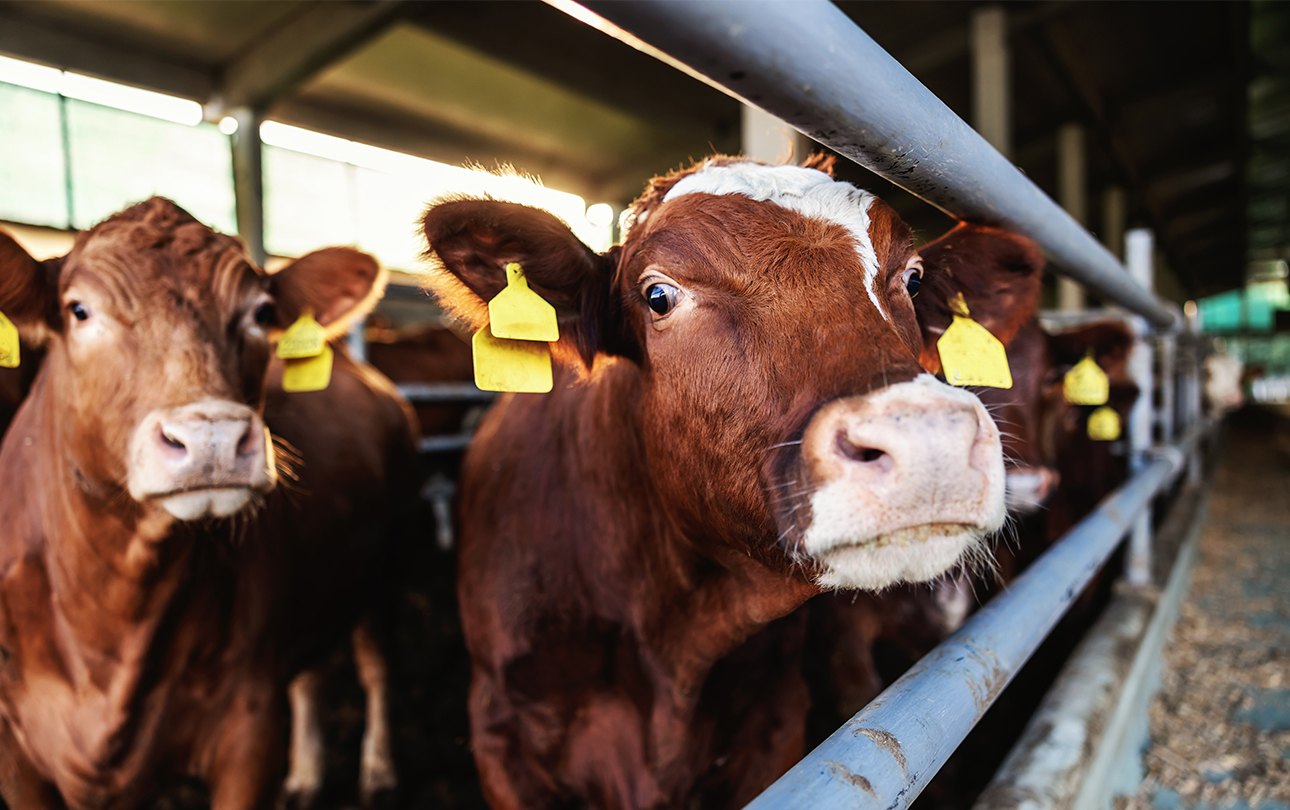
{"x": 296, "y": 50}
{"x": 61, "y": 47}
{"x": 1071, "y": 68}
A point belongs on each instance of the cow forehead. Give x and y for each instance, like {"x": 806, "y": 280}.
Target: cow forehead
{"x": 200, "y": 266}
{"x": 808, "y": 192}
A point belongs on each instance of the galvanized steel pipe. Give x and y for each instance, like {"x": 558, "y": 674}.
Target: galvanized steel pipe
{"x": 809, "y": 64}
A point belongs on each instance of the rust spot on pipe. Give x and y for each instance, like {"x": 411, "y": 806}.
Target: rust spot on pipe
{"x": 840, "y": 771}
{"x": 887, "y": 742}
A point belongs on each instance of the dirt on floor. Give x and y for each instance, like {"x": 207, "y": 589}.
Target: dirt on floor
{"x": 1220, "y": 725}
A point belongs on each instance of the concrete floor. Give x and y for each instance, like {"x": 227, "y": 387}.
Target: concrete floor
{"x": 1220, "y": 726}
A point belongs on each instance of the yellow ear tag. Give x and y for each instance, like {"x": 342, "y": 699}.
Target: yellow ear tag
{"x": 308, "y": 373}
{"x": 8, "y": 343}
{"x": 304, "y": 338}
{"x": 1086, "y": 383}
{"x": 970, "y": 355}
{"x": 518, "y": 313}
{"x": 1104, "y": 424}
{"x": 511, "y": 365}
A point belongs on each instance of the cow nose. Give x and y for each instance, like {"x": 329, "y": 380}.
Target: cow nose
{"x": 903, "y": 448}
{"x": 216, "y": 447}
{"x": 901, "y": 483}
{"x": 201, "y": 460}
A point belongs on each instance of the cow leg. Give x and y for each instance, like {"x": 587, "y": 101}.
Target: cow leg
{"x": 376, "y": 776}
{"x": 307, "y": 753}
{"x": 20, "y": 785}
{"x": 245, "y": 760}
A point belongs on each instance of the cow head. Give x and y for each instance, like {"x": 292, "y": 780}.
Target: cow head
{"x": 157, "y": 333}
{"x": 767, "y": 312}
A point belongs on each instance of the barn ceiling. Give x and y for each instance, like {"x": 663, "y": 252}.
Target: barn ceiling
{"x": 1187, "y": 105}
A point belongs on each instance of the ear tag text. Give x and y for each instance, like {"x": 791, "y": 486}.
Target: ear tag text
{"x": 1086, "y": 383}
{"x": 518, "y": 313}
{"x": 1104, "y": 424}
{"x": 523, "y": 366}
{"x": 308, "y": 373}
{"x": 8, "y": 343}
{"x": 970, "y": 355}
{"x": 304, "y": 338}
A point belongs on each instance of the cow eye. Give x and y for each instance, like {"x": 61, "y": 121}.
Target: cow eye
{"x": 78, "y": 310}
{"x": 265, "y": 314}
{"x": 913, "y": 276}
{"x": 662, "y": 298}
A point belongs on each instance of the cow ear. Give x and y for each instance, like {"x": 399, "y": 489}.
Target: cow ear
{"x": 998, "y": 274}
{"x": 28, "y": 291}
{"x": 474, "y": 240}
{"x": 341, "y": 285}
{"x": 1110, "y": 343}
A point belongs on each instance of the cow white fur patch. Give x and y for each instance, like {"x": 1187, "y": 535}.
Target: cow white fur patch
{"x": 809, "y": 192}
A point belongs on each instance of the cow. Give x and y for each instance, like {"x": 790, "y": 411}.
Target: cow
{"x": 739, "y": 421}
{"x": 1223, "y": 376}
{"x": 179, "y": 537}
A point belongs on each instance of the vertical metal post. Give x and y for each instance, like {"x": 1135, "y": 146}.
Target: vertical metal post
{"x": 1168, "y": 388}
{"x": 1194, "y": 380}
{"x": 991, "y": 78}
{"x": 1114, "y": 214}
{"x": 1138, "y": 253}
{"x": 357, "y": 340}
{"x": 248, "y": 180}
{"x": 767, "y": 138}
{"x": 1072, "y": 180}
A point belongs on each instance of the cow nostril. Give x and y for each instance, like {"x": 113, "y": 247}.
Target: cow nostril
{"x": 171, "y": 441}
{"x": 246, "y": 444}
{"x": 857, "y": 453}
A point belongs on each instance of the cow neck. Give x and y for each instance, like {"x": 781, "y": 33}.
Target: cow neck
{"x": 702, "y": 598}
{"x": 115, "y": 573}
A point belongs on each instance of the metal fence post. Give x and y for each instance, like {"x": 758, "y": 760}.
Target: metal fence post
{"x": 1139, "y": 247}
{"x": 1168, "y": 387}
{"x": 1194, "y": 381}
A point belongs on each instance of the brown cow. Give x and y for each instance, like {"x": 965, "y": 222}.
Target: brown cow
{"x": 739, "y": 421}
{"x": 168, "y": 564}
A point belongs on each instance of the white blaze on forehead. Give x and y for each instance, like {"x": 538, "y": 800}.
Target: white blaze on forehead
{"x": 809, "y": 192}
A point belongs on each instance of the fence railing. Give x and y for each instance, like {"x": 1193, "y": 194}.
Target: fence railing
{"x": 808, "y": 64}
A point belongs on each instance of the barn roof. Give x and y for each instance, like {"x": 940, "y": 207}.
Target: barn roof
{"x": 1187, "y": 105}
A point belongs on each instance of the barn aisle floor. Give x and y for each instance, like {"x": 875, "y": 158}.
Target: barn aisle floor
{"x": 1220, "y": 726}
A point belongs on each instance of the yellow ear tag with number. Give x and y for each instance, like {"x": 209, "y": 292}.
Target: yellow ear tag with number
{"x": 8, "y": 343}
{"x": 309, "y": 358}
{"x": 304, "y": 338}
{"x": 308, "y": 373}
{"x": 970, "y": 355}
{"x": 1087, "y": 384}
{"x": 522, "y": 366}
{"x": 1104, "y": 424}
{"x": 518, "y": 313}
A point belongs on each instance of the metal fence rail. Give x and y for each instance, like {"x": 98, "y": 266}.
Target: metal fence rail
{"x": 807, "y": 63}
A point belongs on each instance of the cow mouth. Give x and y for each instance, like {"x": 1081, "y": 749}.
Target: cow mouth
{"x": 911, "y": 554}
{"x": 197, "y": 503}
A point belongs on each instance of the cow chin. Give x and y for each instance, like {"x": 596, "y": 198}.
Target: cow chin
{"x": 216, "y": 502}
{"x": 915, "y": 554}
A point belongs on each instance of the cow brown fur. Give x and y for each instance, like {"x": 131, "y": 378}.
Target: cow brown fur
{"x": 625, "y": 583}
{"x": 136, "y": 648}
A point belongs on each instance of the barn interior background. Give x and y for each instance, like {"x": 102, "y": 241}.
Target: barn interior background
{"x": 358, "y": 112}
{"x": 303, "y": 123}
